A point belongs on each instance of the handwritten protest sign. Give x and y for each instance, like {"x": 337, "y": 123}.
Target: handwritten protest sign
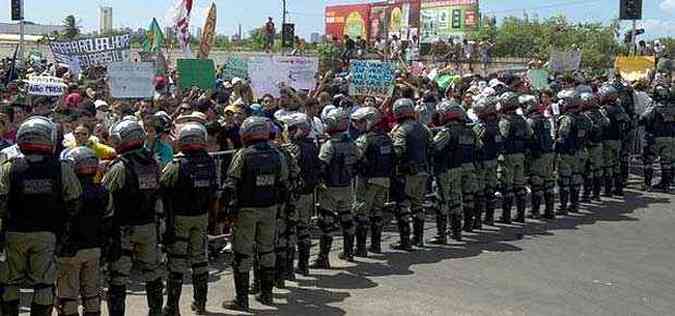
{"x": 372, "y": 78}
{"x": 129, "y": 80}
{"x": 563, "y": 61}
{"x": 195, "y": 72}
{"x": 235, "y": 66}
{"x": 92, "y": 51}
{"x": 267, "y": 72}
{"x": 538, "y": 78}
{"x": 46, "y": 85}
{"x": 635, "y": 67}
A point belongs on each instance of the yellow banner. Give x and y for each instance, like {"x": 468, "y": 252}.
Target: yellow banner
{"x": 635, "y": 67}
{"x": 209, "y": 34}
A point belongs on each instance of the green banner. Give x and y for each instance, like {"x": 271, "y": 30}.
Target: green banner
{"x": 195, "y": 72}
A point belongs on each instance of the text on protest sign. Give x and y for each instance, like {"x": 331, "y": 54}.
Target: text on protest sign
{"x": 129, "y": 80}
{"x": 268, "y": 72}
{"x": 371, "y": 78}
{"x": 93, "y": 51}
{"x": 564, "y": 61}
{"x": 235, "y": 67}
{"x": 195, "y": 72}
{"x": 46, "y": 86}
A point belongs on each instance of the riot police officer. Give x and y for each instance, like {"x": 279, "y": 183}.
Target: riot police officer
{"x": 305, "y": 151}
{"x": 540, "y": 159}
{"x": 188, "y": 185}
{"x": 566, "y": 148}
{"x": 619, "y": 123}
{"x": 659, "y": 123}
{"x": 133, "y": 181}
{"x": 411, "y": 143}
{"x": 338, "y": 160}
{"x": 257, "y": 181}
{"x": 375, "y": 166}
{"x": 593, "y": 168}
{"x": 79, "y": 259}
{"x": 490, "y": 146}
{"x": 584, "y": 126}
{"x": 511, "y": 172}
{"x": 38, "y": 195}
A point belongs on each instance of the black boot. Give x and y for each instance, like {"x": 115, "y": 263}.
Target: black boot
{"x": 322, "y": 262}
{"x": 549, "y": 202}
{"x": 255, "y": 285}
{"x": 588, "y": 188}
{"x": 441, "y": 230}
{"x": 290, "y": 258}
{"x": 597, "y": 188}
{"x": 564, "y": 199}
{"x": 303, "y": 258}
{"x": 279, "y": 270}
{"x": 404, "y": 232}
{"x": 200, "y": 283}
{"x": 618, "y": 185}
{"x": 348, "y": 245}
{"x": 117, "y": 295}
{"x": 155, "y": 296}
{"x": 240, "y": 302}
{"x": 609, "y": 184}
{"x": 11, "y": 308}
{"x": 361, "y": 237}
{"x": 266, "y": 285}
{"x": 456, "y": 227}
{"x": 418, "y": 232}
{"x": 507, "y": 204}
{"x": 174, "y": 286}
{"x": 490, "y": 212}
{"x": 375, "y": 238}
{"x": 468, "y": 219}
{"x": 648, "y": 174}
{"x": 574, "y": 200}
{"x": 40, "y": 310}
{"x": 521, "y": 204}
{"x": 478, "y": 213}
{"x": 536, "y": 205}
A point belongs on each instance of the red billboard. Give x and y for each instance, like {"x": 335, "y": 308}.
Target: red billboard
{"x": 352, "y": 20}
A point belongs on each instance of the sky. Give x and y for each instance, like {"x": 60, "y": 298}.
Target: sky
{"x": 658, "y": 15}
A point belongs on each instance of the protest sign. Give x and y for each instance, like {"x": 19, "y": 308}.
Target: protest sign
{"x": 268, "y": 72}
{"x": 130, "y": 80}
{"x": 46, "y": 85}
{"x": 372, "y": 78}
{"x": 195, "y": 72}
{"x": 538, "y": 78}
{"x": 92, "y": 51}
{"x": 157, "y": 59}
{"x": 563, "y": 61}
{"x": 235, "y": 66}
{"x": 635, "y": 67}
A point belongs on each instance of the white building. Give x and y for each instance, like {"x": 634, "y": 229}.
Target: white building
{"x": 105, "y": 22}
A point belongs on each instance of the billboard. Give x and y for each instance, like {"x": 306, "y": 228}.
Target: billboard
{"x": 352, "y": 20}
{"x": 395, "y": 17}
{"x": 443, "y": 19}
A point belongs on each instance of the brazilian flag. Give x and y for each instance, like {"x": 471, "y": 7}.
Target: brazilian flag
{"x": 153, "y": 38}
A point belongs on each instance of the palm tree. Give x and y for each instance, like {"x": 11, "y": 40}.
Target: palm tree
{"x": 72, "y": 30}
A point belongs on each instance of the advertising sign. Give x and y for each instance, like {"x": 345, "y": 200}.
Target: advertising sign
{"x": 352, "y": 20}
{"x": 442, "y": 19}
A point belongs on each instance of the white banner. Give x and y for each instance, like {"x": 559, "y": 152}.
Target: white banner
{"x": 46, "y": 85}
{"x": 268, "y": 72}
{"x": 129, "y": 80}
{"x": 92, "y": 51}
{"x": 562, "y": 61}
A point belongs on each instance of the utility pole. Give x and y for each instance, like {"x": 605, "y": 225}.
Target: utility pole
{"x": 283, "y": 22}
{"x": 634, "y": 39}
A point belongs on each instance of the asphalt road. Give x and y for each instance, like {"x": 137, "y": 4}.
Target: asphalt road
{"x": 615, "y": 258}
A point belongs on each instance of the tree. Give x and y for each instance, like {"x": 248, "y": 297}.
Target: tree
{"x": 72, "y": 30}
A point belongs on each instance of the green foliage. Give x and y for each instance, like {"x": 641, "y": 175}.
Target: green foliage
{"x": 72, "y": 30}
{"x": 329, "y": 56}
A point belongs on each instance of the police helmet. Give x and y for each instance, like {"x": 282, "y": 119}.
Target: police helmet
{"x": 568, "y": 100}
{"x": 127, "y": 135}
{"x": 529, "y": 103}
{"x": 336, "y": 121}
{"x": 449, "y": 111}
{"x": 404, "y": 108}
{"x": 608, "y": 93}
{"x": 370, "y": 114}
{"x": 660, "y": 93}
{"x": 84, "y": 160}
{"x": 588, "y": 100}
{"x": 37, "y": 135}
{"x": 161, "y": 122}
{"x": 192, "y": 137}
{"x": 255, "y": 129}
{"x": 297, "y": 125}
{"x": 508, "y": 101}
{"x": 485, "y": 107}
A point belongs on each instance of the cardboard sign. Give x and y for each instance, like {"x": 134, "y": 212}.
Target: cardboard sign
{"x": 235, "y": 66}
{"x": 564, "y": 61}
{"x": 93, "y": 51}
{"x": 195, "y": 72}
{"x": 46, "y": 85}
{"x": 266, "y": 73}
{"x": 372, "y": 78}
{"x": 635, "y": 67}
{"x": 129, "y": 80}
